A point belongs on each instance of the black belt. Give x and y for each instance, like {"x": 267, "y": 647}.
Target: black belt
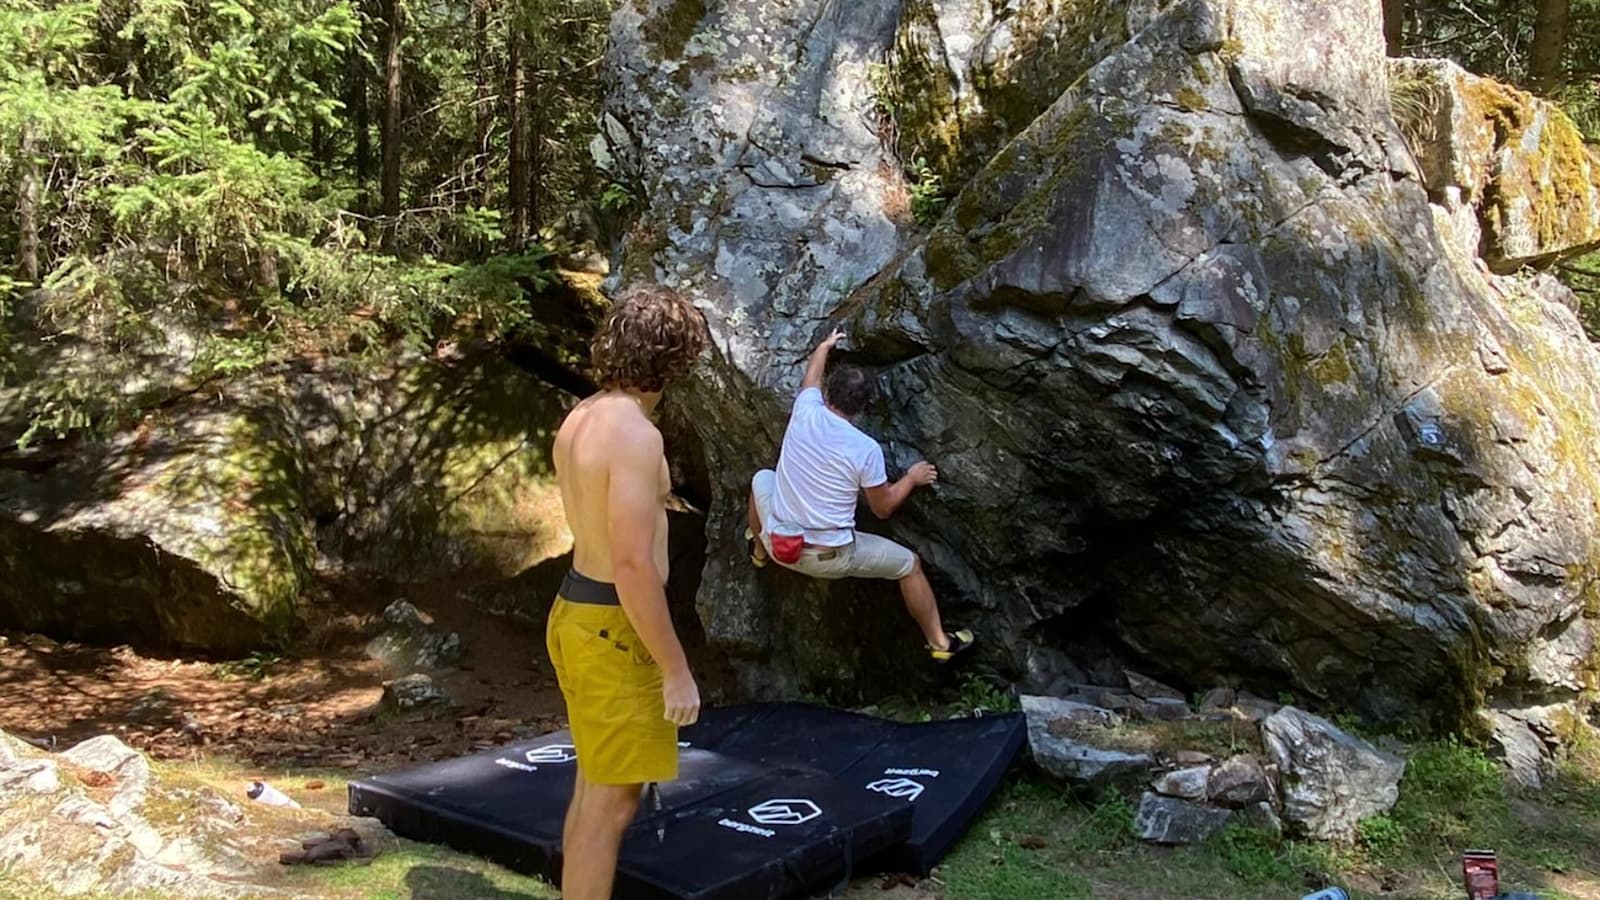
{"x": 579, "y": 588}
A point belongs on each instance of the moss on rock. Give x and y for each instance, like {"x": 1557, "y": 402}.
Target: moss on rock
{"x": 668, "y": 31}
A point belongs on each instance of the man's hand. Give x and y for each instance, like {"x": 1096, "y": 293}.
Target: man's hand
{"x": 682, "y": 698}
{"x": 922, "y": 474}
{"x": 818, "y": 363}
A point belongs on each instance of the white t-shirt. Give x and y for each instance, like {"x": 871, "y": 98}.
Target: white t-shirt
{"x": 825, "y": 463}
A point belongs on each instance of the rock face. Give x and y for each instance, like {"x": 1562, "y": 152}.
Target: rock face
{"x": 1331, "y": 780}
{"x": 96, "y": 820}
{"x": 1510, "y": 172}
{"x": 1202, "y": 374}
{"x": 200, "y": 527}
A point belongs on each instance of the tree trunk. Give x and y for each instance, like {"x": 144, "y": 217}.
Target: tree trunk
{"x": 1394, "y": 26}
{"x": 535, "y": 161}
{"x": 517, "y": 140}
{"x": 28, "y": 212}
{"x": 393, "y": 14}
{"x": 483, "y": 112}
{"x": 1550, "y": 32}
{"x": 360, "y": 114}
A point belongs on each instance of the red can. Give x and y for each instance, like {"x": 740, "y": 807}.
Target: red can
{"x": 1481, "y": 871}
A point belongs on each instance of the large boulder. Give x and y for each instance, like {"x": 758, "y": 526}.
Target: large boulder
{"x": 1331, "y": 780}
{"x": 201, "y": 526}
{"x": 1202, "y": 376}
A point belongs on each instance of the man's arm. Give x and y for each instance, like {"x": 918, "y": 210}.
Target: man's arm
{"x": 886, "y": 498}
{"x": 633, "y": 510}
{"x": 818, "y": 363}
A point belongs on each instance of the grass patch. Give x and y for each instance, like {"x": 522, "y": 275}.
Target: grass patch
{"x": 1038, "y": 841}
{"x": 409, "y": 871}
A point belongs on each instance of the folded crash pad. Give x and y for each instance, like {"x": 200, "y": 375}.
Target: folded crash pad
{"x": 945, "y": 771}
{"x": 727, "y": 829}
{"x": 772, "y": 800}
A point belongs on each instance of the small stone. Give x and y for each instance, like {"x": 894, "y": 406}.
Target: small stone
{"x": 1188, "y": 758}
{"x": 1239, "y": 782}
{"x": 413, "y": 692}
{"x": 1263, "y": 817}
{"x": 1185, "y": 784}
{"x": 1032, "y": 842}
{"x": 403, "y": 615}
{"x": 1219, "y": 698}
{"x": 1255, "y": 708}
{"x": 1164, "y": 709}
{"x": 1165, "y": 820}
{"x": 1147, "y": 688}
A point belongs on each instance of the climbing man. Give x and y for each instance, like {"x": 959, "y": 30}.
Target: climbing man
{"x": 806, "y": 509}
{"x": 617, "y": 658}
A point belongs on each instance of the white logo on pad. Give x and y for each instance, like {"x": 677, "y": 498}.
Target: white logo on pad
{"x": 552, "y": 753}
{"x": 904, "y": 788}
{"x": 786, "y": 811}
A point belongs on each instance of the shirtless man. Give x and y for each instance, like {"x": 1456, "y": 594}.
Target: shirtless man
{"x": 617, "y": 658}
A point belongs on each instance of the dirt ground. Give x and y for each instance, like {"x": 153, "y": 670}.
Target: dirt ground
{"x": 314, "y": 706}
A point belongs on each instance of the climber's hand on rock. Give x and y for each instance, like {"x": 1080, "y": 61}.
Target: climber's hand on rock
{"x": 923, "y": 473}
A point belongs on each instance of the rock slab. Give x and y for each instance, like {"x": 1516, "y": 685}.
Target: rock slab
{"x": 1167, "y": 820}
{"x": 1331, "y": 780}
{"x": 1076, "y": 760}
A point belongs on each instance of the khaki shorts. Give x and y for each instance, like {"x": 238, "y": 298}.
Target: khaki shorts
{"x": 613, "y": 691}
{"x": 868, "y": 556}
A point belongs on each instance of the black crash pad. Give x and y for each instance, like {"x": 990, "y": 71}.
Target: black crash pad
{"x": 727, "y": 829}
{"x": 946, "y": 771}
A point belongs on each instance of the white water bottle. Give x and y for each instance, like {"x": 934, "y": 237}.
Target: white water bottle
{"x": 261, "y": 792}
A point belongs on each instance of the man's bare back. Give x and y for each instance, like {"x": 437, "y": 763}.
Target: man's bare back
{"x": 586, "y": 450}
{"x": 618, "y": 659}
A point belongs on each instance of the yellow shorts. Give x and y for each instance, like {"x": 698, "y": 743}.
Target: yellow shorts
{"x": 613, "y": 692}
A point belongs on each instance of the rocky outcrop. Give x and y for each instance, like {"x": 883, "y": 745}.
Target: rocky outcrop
{"x": 1321, "y": 781}
{"x": 200, "y": 527}
{"x": 97, "y": 820}
{"x": 1204, "y": 379}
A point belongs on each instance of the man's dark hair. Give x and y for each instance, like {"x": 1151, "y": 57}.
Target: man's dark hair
{"x": 848, "y": 389}
{"x": 650, "y": 338}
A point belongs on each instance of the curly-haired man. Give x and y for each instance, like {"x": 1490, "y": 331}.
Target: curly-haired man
{"x": 617, "y": 658}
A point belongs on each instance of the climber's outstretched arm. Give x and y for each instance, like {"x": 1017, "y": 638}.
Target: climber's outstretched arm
{"x": 818, "y": 363}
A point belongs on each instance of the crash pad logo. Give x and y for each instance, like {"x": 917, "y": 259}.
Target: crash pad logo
{"x": 552, "y": 754}
{"x": 784, "y": 812}
{"x": 903, "y": 788}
